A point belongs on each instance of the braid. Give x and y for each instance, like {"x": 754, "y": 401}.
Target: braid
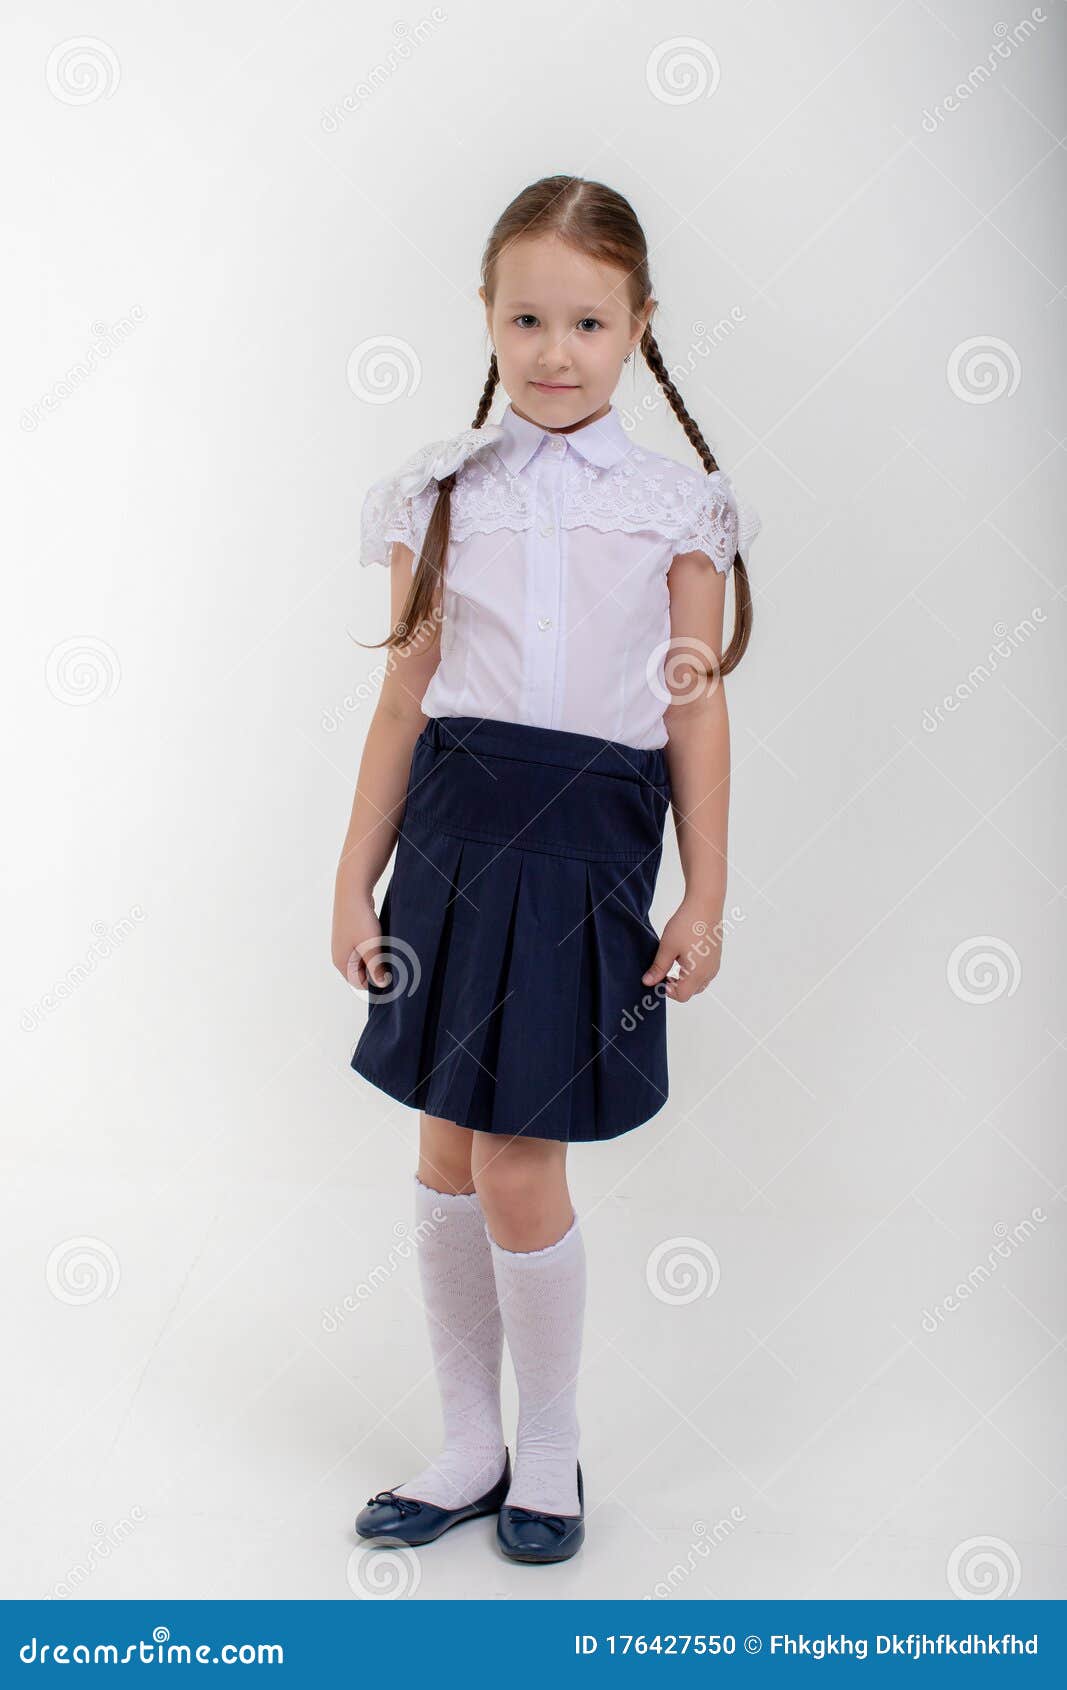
{"x": 742, "y": 591}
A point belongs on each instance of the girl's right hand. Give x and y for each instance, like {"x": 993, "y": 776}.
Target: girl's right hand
{"x": 356, "y": 942}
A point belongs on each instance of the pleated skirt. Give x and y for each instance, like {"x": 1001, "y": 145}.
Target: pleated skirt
{"x": 515, "y": 926}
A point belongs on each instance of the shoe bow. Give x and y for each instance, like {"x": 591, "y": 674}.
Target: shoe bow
{"x": 556, "y": 1522}
{"x": 403, "y": 1504}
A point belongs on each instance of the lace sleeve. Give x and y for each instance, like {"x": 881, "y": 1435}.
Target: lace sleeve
{"x": 722, "y": 525}
{"x": 386, "y": 516}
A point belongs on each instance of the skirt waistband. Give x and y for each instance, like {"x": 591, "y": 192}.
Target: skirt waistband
{"x": 483, "y": 736}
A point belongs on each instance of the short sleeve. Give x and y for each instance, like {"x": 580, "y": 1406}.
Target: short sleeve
{"x": 721, "y": 525}
{"x": 386, "y": 516}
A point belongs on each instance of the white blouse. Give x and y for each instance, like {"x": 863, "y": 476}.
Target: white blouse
{"x": 556, "y": 609}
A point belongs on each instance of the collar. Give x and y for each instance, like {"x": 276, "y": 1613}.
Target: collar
{"x": 603, "y": 442}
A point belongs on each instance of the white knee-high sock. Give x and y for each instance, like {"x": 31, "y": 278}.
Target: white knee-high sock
{"x": 541, "y": 1294}
{"x": 467, "y": 1343}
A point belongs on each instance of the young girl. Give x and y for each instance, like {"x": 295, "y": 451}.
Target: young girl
{"x": 553, "y": 688}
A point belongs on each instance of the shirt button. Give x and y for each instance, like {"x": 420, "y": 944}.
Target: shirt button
{"x": 557, "y": 443}
{"x": 544, "y": 622}
{"x": 547, "y": 529}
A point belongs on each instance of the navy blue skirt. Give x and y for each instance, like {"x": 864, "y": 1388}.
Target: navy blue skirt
{"x": 515, "y": 928}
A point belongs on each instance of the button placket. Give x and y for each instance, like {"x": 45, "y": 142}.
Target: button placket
{"x": 543, "y": 597}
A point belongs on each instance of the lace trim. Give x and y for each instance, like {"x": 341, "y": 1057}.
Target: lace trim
{"x": 644, "y": 492}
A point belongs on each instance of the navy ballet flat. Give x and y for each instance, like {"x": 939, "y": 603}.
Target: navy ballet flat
{"x": 406, "y": 1519}
{"x": 526, "y": 1534}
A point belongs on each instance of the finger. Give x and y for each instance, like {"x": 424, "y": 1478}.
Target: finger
{"x": 661, "y": 965}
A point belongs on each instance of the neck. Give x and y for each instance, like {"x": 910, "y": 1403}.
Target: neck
{"x": 570, "y": 428}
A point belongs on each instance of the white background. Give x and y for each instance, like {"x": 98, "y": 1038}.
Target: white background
{"x": 847, "y": 1136}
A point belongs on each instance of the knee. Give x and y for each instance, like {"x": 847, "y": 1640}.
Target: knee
{"x": 521, "y": 1193}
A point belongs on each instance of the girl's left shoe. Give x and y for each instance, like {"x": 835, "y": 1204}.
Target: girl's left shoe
{"x": 527, "y": 1534}
{"x": 406, "y": 1519}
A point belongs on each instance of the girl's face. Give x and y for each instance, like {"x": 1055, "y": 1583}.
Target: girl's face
{"x": 561, "y": 326}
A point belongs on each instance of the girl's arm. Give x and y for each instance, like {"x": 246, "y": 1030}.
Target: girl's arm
{"x": 381, "y": 788}
{"x": 698, "y": 761}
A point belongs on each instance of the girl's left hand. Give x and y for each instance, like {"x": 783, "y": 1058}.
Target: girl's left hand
{"x": 692, "y": 938}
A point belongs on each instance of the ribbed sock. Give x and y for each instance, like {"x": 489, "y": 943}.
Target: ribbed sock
{"x": 541, "y": 1294}
{"x": 467, "y": 1343}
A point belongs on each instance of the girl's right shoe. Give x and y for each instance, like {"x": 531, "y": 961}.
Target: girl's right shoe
{"x": 407, "y": 1519}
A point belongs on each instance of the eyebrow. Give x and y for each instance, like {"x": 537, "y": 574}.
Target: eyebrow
{"x": 580, "y": 311}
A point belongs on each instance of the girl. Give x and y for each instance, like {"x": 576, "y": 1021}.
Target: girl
{"x": 557, "y": 608}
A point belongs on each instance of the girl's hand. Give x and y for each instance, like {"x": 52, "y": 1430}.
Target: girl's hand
{"x": 692, "y": 938}
{"x": 356, "y": 942}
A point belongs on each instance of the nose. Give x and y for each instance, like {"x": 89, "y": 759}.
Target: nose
{"x": 554, "y": 359}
